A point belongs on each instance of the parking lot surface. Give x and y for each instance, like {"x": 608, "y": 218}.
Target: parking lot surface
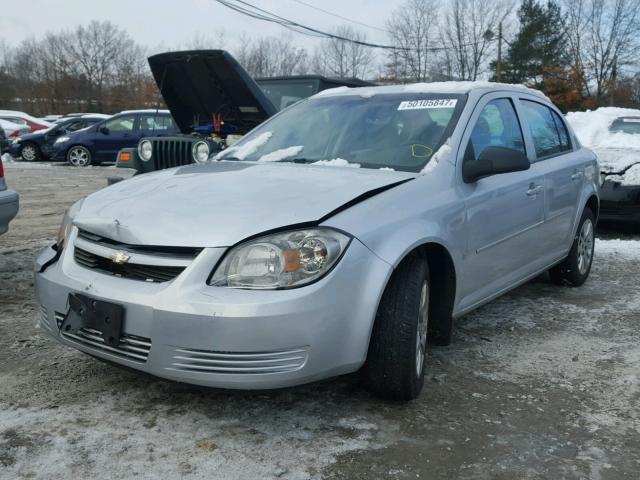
{"x": 543, "y": 383}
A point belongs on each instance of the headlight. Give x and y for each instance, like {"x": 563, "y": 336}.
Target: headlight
{"x": 200, "y": 152}
{"x": 61, "y": 139}
{"x": 145, "y": 150}
{"x": 67, "y": 223}
{"x": 282, "y": 260}
{"x": 17, "y": 140}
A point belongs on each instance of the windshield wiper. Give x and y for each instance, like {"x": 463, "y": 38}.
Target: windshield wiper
{"x": 298, "y": 160}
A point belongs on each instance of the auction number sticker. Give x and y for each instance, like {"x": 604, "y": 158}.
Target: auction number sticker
{"x": 428, "y": 104}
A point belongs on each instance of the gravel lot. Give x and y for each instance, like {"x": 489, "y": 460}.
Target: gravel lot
{"x": 543, "y": 383}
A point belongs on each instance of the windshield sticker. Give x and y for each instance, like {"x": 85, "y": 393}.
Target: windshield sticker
{"x": 428, "y": 104}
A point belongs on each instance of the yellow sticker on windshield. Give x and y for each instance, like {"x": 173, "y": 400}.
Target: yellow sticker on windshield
{"x": 428, "y": 104}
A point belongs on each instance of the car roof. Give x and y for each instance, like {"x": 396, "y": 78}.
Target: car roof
{"x": 148, "y": 110}
{"x": 434, "y": 87}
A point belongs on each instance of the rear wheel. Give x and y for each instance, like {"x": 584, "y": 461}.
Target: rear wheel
{"x": 30, "y": 153}
{"x": 398, "y": 347}
{"x": 574, "y": 270}
{"x": 79, "y": 156}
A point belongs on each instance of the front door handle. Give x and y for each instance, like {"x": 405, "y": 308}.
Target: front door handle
{"x": 534, "y": 190}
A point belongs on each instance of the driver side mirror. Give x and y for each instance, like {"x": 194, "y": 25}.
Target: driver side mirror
{"x": 493, "y": 161}
{"x": 104, "y": 130}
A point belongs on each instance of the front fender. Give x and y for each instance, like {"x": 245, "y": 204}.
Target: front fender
{"x": 134, "y": 161}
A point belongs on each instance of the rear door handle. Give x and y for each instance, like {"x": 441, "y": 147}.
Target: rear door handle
{"x": 577, "y": 175}
{"x": 534, "y": 190}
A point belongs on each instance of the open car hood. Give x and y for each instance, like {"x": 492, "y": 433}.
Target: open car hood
{"x": 219, "y": 204}
{"x": 198, "y": 84}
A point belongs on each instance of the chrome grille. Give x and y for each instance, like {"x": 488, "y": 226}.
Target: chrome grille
{"x": 145, "y": 273}
{"x": 144, "y": 263}
{"x": 132, "y": 347}
{"x": 239, "y": 362}
{"x": 171, "y": 152}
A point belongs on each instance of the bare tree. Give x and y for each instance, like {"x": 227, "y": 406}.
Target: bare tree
{"x": 603, "y": 39}
{"x": 272, "y": 56}
{"x": 342, "y": 58}
{"x": 412, "y": 29}
{"x": 468, "y": 33}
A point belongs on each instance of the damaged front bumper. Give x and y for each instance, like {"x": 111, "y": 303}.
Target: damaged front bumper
{"x": 188, "y": 331}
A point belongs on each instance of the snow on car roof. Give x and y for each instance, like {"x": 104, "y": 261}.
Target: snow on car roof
{"x": 433, "y": 87}
{"x": 616, "y": 150}
{"x": 148, "y": 110}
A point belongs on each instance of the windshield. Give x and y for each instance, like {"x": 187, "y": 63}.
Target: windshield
{"x": 398, "y": 131}
{"x": 283, "y": 94}
{"x": 626, "y": 125}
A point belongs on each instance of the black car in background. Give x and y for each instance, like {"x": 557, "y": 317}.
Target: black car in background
{"x": 215, "y": 101}
{"x": 620, "y": 175}
{"x": 37, "y": 146}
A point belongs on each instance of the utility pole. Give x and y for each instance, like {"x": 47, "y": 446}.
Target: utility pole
{"x": 499, "y": 62}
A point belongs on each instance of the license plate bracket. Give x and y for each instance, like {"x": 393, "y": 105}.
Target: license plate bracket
{"x": 86, "y": 312}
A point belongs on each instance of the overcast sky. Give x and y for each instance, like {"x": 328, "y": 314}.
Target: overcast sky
{"x": 165, "y": 23}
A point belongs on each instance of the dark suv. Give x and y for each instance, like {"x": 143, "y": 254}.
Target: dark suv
{"x": 102, "y": 141}
{"x": 36, "y": 146}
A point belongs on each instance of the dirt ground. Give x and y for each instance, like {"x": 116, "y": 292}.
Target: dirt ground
{"x": 543, "y": 383}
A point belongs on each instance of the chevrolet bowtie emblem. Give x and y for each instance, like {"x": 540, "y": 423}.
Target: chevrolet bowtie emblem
{"x": 119, "y": 258}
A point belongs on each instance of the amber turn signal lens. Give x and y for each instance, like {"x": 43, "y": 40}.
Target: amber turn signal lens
{"x": 125, "y": 156}
{"x": 291, "y": 260}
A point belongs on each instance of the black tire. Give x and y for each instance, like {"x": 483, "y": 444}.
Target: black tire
{"x": 30, "y": 152}
{"x": 392, "y": 370}
{"x": 574, "y": 270}
{"x": 79, "y": 156}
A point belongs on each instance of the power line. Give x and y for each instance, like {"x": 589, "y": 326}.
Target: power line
{"x": 253, "y": 11}
{"x": 340, "y": 16}
{"x": 261, "y": 14}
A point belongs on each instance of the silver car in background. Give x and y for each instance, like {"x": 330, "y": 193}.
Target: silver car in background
{"x": 345, "y": 233}
{"x": 9, "y": 201}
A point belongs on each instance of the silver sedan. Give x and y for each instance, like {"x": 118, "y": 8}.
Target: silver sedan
{"x": 346, "y": 233}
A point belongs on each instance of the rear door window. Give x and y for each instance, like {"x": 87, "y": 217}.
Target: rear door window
{"x": 547, "y": 139}
{"x": 121, "y": 124}
{"x": 156, "y": 122}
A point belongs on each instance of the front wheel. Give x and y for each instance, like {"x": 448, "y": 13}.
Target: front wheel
{"x": 574, "y": 270}
{"x": 30, "y": 153}
{"x": 79, "y": 156}
{"x": 397, "y": 350}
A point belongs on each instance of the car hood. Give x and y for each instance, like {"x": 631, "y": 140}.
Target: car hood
{"x": 198, "y": 84}
{"x": 615, "y": 161}
{"x": 218, "y": 204}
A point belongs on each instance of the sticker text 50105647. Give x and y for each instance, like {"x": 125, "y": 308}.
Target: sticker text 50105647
{"x": 428, "y": 104}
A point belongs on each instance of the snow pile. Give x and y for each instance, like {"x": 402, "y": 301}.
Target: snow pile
{"x": 281, "y": 154}
{"x": 629, "y": 249}
{"x": 442, "y": 153}
{"x": 387, "y": 169}
{"x": 243, "y": 151}
{"x": 592, "y": 128}
{"x": 616, "y": 151}
{"x": 336, "y": 162}
{"x": 331, "y": 91}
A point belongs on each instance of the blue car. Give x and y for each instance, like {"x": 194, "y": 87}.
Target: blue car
{"x": 102, "y": 141}
{"x": 36, "y": 146}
